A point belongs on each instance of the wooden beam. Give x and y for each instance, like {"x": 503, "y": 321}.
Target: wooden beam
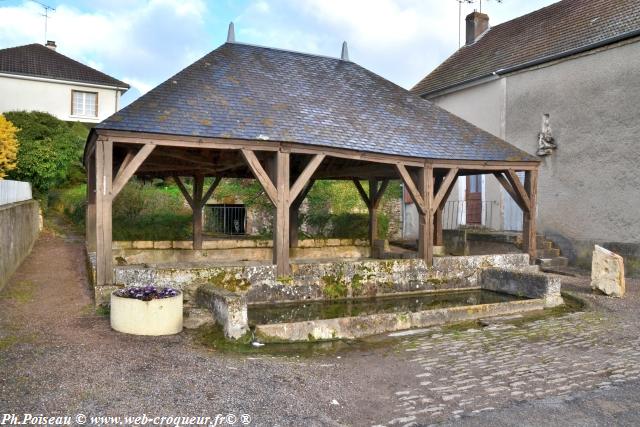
{"x": 305, "y": 176}
{"x": 529, "y": 239}
{"x": 425, "y": 229}
{"x": 363, "y": 194}
{"x": 509, "y": 189}
{"x": 281, "y": 229}
{"x": 448, "y": 182}
{"x": 198, "y": 183}
{"x": 184, "y": 191}
{"x": 261, "y": 175}
{"x": 514, "y": 180}
{"x": 411, "y": 188}
{"x": 212, "y": 188}
{"x": 125, "y": 174}
{"x": 90, "y": 221}
{"x": 104, "y": 237}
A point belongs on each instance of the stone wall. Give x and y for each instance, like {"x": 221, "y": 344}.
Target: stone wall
{"x": 159, "y": 252}
{"x": 316, "y": 280}
{"x": 19, "y": 227}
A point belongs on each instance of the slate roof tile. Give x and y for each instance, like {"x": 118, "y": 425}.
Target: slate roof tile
{"x": 250, "y": 92}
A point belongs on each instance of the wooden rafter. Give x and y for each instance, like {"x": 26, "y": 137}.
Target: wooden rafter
{"x": 305, "y": 176}
{"x": 261, "y": 175}
{"x": 125, "y": 173}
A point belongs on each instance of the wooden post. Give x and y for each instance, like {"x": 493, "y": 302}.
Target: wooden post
{"x": 425, "y": 230}
{"x": 293, "y": 225}
{"x": 104, "y": 253}
{"x": 529, "y": 216}
{"x": 90, "y": 218}
{"x": 198, "y": 183}
{"x": 281, "y": 229}
{"x": 373, "y": 213}
{"x": 438, "y": 237}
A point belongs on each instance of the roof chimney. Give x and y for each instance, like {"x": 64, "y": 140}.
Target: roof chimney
{"x": 477, "y": 24}
{"x": 51, "y": 44}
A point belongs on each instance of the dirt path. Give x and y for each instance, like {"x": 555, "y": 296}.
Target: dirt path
{"x": 58, "y": 357}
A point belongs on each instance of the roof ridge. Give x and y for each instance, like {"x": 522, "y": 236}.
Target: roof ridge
{"x": 316, "y": 55}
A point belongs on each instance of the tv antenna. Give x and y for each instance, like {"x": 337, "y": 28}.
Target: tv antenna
{"x": 46, "y": 9}
{"x": 460, "y": 2}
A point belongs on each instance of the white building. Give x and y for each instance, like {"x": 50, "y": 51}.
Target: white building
{"x": 37, "y": 78}
{"x": 567, "y": 74}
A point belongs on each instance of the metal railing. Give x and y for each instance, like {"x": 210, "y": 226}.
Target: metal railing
{"x": 487, "y": 214}
{"x": 225, "y": 219}
{"x": 14, "y": 191}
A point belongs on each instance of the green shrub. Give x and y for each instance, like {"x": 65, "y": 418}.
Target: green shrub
{"x": 50, "y": 150}
{"x": 71, "y": 202}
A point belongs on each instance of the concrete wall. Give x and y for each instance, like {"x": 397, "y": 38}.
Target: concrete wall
{"x": 53, "y": 97}
{"x": 19, "y": 227}
{"x": 588, "y": 190}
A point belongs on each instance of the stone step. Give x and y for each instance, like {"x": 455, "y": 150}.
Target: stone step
{"x": 558, "y": 261}
{"x": 549, "y": 253}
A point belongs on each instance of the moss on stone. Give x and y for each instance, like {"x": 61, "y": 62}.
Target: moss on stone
{"x": 229, "y": 282}
{"x": 334, "y": 287}
{"x": 285, "y": 280}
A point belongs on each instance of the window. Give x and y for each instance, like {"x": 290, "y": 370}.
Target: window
{"x": 84, "y": 103}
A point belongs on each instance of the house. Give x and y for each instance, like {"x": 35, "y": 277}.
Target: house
{"x": 36, "y": 77}
{"x": 561, "y": 83}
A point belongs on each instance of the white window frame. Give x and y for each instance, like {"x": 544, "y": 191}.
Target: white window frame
{"x": 83, "y": 112}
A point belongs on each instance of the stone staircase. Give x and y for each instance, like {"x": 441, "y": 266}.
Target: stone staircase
{"x": 549, "y": 256}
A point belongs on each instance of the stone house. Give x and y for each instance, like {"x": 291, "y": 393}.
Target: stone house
{"x": 561, "y": 82}
{"x": 34, "y": 77}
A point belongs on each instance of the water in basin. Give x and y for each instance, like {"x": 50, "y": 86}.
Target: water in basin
{"x": 314, "y": 310}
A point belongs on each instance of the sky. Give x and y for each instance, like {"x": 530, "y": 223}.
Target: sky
{"x": 144, "y": 42}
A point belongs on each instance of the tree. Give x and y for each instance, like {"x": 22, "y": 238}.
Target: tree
{"x": 8, "y": 146}
{"x": 50, "y": 152}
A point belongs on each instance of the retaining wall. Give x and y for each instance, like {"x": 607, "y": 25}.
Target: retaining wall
{"x": 19, "y": 227}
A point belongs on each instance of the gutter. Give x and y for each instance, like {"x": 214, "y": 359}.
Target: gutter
{"x": 539, "y": 61}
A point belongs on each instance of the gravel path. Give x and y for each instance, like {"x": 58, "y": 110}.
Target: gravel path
{"x": 58, "y": 357}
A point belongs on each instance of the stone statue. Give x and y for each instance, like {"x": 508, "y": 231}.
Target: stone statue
{"x": 546, "y": 142}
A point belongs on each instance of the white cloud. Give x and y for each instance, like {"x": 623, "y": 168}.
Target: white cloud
{"x": 146, "y": 42}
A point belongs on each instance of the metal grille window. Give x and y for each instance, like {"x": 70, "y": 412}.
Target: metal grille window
{"x": 84, "y": 103}
{"x": 226, "y": 219}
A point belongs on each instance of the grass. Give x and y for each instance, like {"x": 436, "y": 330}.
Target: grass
{"x": 163, "y": 226}
{"x": 21, "y": 292}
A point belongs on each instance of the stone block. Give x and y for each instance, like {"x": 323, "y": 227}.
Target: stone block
{"x": 307, "y": 243}
{"x": 607, "y": 272}
{"x": 142, "y": 244}
{"x": 264, "y": 243}
{"x": 333, "y": 242}
{"x": 162, "y": 244}
{"x": 523, "y": 283}
{"x": 182, "y": 244}
{"x": 122, "y": 244}
{"x": 228, "y": 309}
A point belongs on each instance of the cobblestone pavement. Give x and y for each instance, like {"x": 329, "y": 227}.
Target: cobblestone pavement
{"x": 57, "y": 357}
{"x": 468, "y": 372}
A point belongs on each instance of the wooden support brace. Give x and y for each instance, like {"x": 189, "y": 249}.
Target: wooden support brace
{"x": 411, "y": 188}
{"x": 184, "y": 191}
{"x": 514, "y": 180}
{"x": 129, "y": 168}
{"x": 305, "y": 176}
{"x": 380, "y": 192}
{"x": 210, "y": 191}
{"x": 509, "y": 189}
{"x": 363, "y": 194}
{"x": 261, "y": 175}
{"x": 445, "y": 187}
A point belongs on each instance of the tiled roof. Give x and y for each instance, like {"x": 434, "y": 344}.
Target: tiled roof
{"x": 561, "y": 27}
{"x": 40, "y": 61}
{"x": 255, "y": 93}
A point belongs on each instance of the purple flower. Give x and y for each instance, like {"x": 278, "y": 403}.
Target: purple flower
{"x": 146, "y": 293}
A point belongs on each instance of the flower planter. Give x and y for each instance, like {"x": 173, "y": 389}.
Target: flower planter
{"x": 156, "y": 317}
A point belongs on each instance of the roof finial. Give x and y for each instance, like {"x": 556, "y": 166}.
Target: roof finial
{"x": 345, "y": 52}
{"x": 231, "y": 34}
